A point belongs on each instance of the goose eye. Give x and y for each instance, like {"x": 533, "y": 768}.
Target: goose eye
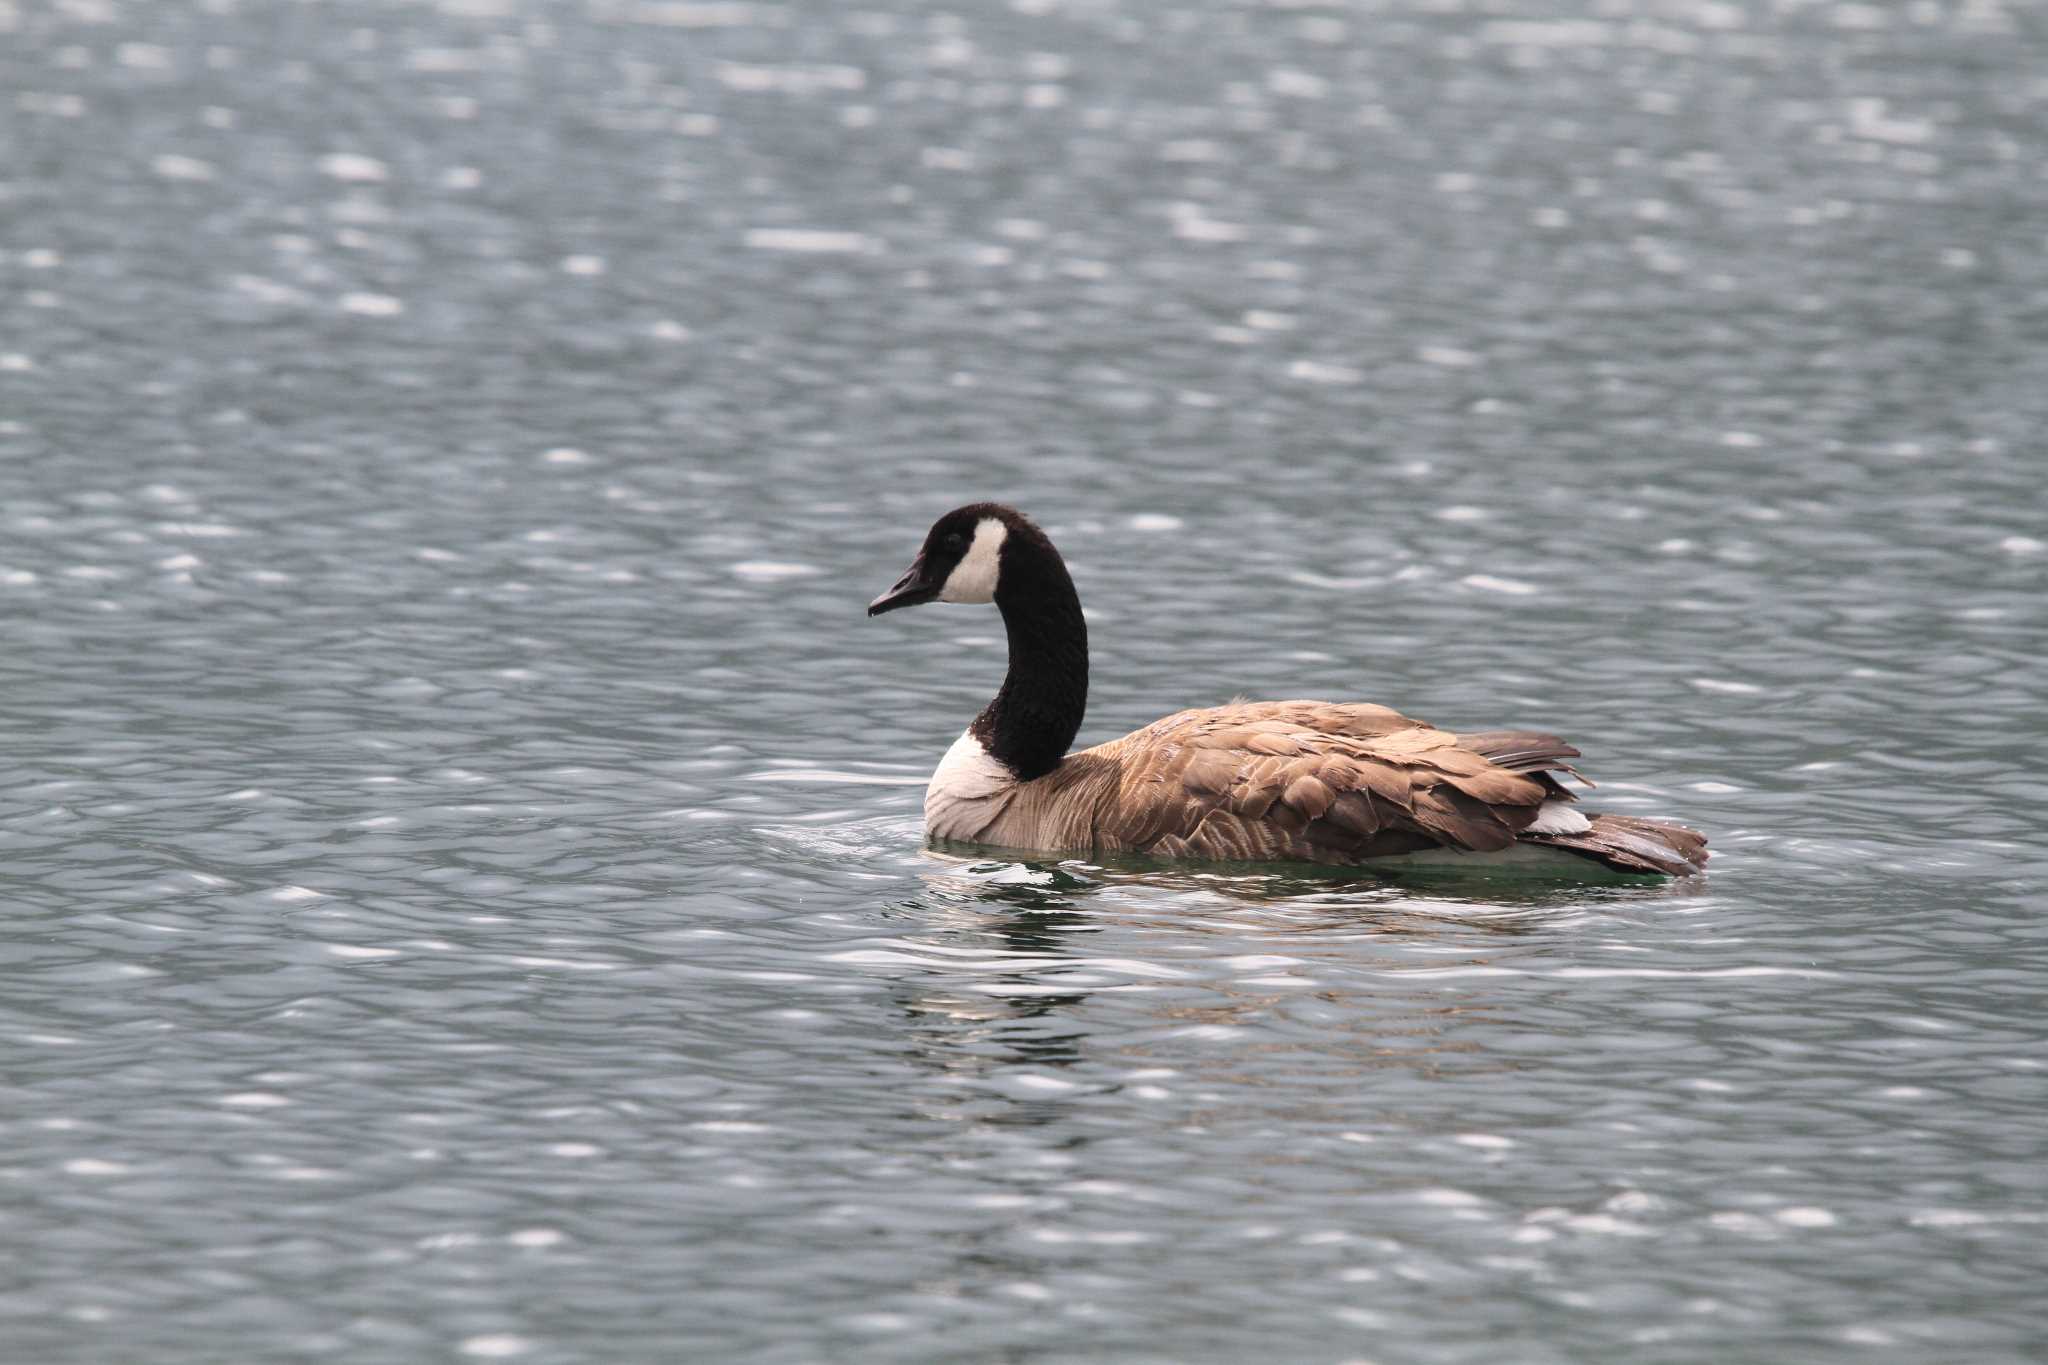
{"x": 954, "y": 540}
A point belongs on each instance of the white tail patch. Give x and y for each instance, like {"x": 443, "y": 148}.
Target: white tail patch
{"x": 974, "y": 578}
{"x": 1557, "y": 817}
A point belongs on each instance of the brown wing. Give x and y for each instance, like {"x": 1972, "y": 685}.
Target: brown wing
{"x": 1528, "y": 751}
{"x": 1308, "y": 780}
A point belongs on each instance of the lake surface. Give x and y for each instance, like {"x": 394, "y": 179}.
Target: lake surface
{"x": 461, "y": 836}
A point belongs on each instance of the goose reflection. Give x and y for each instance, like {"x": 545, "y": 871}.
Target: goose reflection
{"x": 1020, "y": 922}
{"x": 1002, "y": 1010}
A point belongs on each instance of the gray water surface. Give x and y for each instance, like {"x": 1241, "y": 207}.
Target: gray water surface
{"x": 462, "y": 852}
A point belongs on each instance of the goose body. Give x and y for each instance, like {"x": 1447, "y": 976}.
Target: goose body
{"x": 1313, "y": 781}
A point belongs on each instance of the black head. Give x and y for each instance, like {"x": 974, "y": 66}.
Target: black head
{"x": 962, "y": 558}
{"x": 986, "y": 552}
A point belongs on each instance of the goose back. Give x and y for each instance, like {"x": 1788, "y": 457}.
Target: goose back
{"x": 1284, "y": 780}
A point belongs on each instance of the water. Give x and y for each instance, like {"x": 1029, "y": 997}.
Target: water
{"x": 461, "y": 834}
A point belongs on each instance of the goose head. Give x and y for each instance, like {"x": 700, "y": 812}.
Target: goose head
{"x": 961, "y": 560}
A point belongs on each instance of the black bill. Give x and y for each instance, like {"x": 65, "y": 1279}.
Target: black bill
{"x": 911, "y": 590}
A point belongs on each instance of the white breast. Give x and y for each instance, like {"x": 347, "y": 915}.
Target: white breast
{"x": 968, "y": 791}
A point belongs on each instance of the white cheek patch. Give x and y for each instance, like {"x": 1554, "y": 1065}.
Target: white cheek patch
{"x": 974, "y": 578}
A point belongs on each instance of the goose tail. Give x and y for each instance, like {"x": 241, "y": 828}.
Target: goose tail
{"x": 1632, "y": 843}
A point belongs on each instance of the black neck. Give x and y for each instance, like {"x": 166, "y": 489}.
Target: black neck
{"x": 1034, "y": 718}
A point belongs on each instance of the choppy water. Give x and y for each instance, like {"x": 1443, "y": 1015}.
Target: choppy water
{"x": 464, "y": 895}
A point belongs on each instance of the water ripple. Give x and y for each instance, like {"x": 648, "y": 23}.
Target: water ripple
{"x": 462, "y": 833}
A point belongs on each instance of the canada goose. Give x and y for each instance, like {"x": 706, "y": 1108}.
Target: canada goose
{"x": 1327, "y": 782}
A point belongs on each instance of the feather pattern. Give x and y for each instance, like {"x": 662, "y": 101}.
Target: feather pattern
{"x": 1311, "y": 781}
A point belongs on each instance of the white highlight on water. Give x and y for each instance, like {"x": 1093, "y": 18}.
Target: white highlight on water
{"x": 1321, "y": 372}
{"x": 1451, "y": 357}
{"x": 535, "y": 1237}
{"x": 814, "y": 240}
{"x": 1487, "y": 582}
{"x": 350, "y": 166}
{"x": 769, "y": 570}
{"x": 788, "y": 80}
{"x": 372, "y": 305}
{"x": 172, "y": 166}
{"x": 1805, "y": 1217}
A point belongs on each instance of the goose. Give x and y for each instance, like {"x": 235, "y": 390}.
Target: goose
{"x": 1252, "y": 781}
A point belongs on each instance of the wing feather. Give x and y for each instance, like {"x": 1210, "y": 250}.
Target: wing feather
{"x": 1316, "y": 780}
{"x": 1309, "y": 794}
